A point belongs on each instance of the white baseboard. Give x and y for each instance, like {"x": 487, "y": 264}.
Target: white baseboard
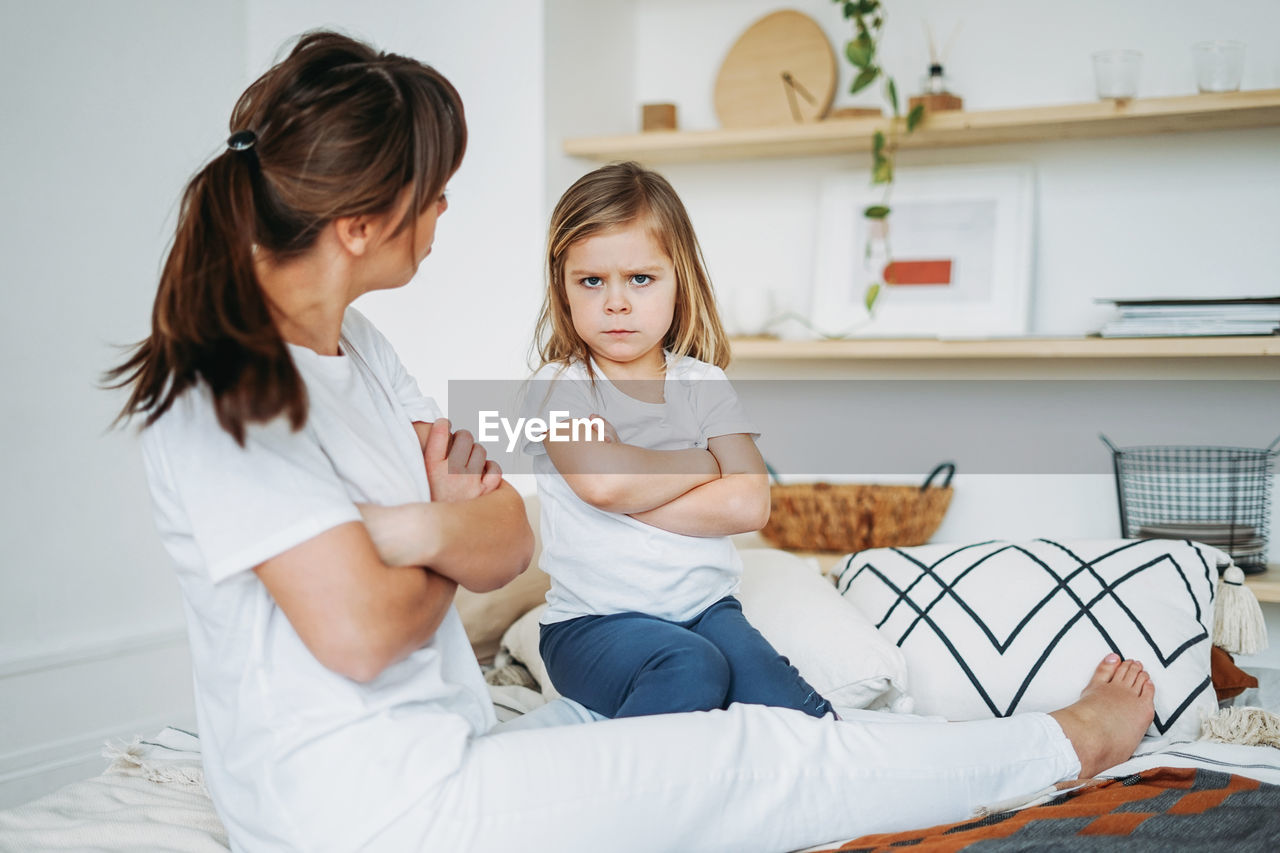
{"x": 63, "y": 704}
{"x": 76, "y": 654}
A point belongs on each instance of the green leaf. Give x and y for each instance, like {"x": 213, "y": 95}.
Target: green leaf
{"x": 850, "y": 9}
{"x": 866, "y": 7}
{"x": 876, "y": 211}
{"x": 882, "y": 171}
{"x": 861, "y": 51}
{"x": 877, "y": 144}
{"x": 915, "y": 117}
{"x": 870, "y": 297}
{"x": 864, "y": 79}
{"x": 891, "y": 89}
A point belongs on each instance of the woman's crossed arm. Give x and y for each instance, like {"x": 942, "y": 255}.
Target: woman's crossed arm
{"x": 363, "y": 596}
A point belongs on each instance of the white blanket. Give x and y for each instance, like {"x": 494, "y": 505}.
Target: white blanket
{"x": 151, "y": 798}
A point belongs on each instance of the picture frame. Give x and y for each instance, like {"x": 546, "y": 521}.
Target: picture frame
{"x": 960, "y": 241}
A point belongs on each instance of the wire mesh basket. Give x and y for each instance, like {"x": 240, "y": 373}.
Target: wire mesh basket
{"x": 1220, "y": 496}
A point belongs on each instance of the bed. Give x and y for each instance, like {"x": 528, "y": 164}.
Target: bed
{"x": 1176, "y": 791}
{"x": 1188, "y": 795}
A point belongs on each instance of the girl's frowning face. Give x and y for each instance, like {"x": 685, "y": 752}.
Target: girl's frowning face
{"x": 621, "y": 289}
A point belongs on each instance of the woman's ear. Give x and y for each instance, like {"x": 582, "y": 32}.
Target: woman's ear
{"x": 360, "y": 233}
{"x": 355, "y": 233}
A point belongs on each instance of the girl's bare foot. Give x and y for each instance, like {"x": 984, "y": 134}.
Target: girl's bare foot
{"x": 1113, "y": 713}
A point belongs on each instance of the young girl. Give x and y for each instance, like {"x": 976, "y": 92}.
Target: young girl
{"x": 641, "y": 616}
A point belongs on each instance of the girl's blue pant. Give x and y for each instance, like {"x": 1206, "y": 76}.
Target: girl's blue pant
{"x": 633, "y": 664}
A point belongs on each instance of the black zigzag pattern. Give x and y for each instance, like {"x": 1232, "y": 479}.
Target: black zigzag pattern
{"x": 919, "y": 598}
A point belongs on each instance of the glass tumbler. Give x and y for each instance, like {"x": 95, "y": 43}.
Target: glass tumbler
{"x": 1219, "y": 65}
{"x": 1116, "y": 72}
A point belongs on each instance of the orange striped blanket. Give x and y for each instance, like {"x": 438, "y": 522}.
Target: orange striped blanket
{"x": 1157, "y": 810}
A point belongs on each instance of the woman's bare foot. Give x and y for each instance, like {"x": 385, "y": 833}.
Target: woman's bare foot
{"x": 1113, "y": 713}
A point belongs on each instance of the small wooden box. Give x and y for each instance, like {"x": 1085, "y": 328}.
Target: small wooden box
{"x": 658, "y": 117}
{"x": 938, "y": 102}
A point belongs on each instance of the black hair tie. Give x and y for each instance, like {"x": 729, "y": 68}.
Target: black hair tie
{"x": 242, "y": 140}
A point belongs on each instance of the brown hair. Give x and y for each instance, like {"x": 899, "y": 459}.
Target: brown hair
{"x": 341, "y": 130}
{"x": 612, "y": 196}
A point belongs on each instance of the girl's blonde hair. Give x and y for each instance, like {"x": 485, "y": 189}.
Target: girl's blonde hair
{"x": 612, "y": 196}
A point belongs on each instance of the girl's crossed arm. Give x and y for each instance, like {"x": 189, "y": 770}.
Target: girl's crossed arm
{"x": 736, "y": 502}
{"x": 623, "y": 478}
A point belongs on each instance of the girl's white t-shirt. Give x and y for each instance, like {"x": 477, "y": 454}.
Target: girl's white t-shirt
{"x": 605, "y": 562}
{"x": 295, "y": 755}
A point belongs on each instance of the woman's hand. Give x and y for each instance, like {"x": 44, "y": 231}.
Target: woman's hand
{"x": 453, "y": 533}
{"x": 457, "y": 467}
{"x": 457, "y": 470}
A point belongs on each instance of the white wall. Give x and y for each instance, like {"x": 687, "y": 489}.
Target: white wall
{"x": 591, "y": 56}
{"x": 107, "y": 108}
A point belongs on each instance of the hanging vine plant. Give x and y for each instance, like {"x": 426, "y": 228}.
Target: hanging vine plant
{"x": 867, "y": 18}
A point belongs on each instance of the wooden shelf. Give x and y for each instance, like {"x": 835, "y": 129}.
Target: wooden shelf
{"x": 1217, "y": 111}
{"x": 1015, "y": 348}
{"x": 1265, "y": 586}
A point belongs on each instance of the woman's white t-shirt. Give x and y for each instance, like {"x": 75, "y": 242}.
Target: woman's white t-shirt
{"x": 606, "y": 562}
{"x": 295, "y": 755}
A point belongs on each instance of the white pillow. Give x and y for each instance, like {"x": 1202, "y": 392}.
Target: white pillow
{"x": 797, "y": 610}
{"x": 992, "y": 628}
{"x": 521, "y": 642}
{"x": 837, "y": 650}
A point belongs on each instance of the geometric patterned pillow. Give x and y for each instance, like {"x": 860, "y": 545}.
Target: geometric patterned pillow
{"x": 993, "y": 628}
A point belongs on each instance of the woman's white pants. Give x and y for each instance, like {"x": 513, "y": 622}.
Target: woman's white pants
{"x": 749, "y": 778}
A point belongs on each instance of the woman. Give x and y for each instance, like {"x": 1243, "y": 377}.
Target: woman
{"x": 321, "y": 517}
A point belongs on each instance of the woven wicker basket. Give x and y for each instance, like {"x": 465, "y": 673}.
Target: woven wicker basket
{"x": 845, "y": 518}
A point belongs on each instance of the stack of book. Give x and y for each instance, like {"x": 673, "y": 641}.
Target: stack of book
{"x": 1152, "y": 318}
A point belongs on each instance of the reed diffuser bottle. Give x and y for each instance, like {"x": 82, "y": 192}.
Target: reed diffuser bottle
{"x": 935, "y": 87}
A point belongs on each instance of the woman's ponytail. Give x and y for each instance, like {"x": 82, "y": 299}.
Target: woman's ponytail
{"x": 210, "y": 320}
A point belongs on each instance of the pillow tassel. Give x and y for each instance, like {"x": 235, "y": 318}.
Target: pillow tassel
{"x": 1246, "y": 725}
{"x": 1238, "y": 624}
